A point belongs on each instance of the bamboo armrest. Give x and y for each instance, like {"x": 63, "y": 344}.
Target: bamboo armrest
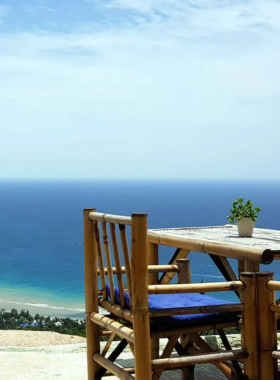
{"x": 151, "y": 269}
{"x": 196, "y": 288}
{"x": 163, "y": 268}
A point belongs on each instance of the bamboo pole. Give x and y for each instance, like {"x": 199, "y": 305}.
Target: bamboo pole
{"x": 152, "y": 269}
{"x": 108, "y": 343}
{"x": 153, "y": 280}
{"x": 105, "y": 332}
{"x": 185, "y": 340}
{"x": 187, "y": 373}
{"x": 153, "y": 263}
{"x": 114, "y": 368}
{"x": 126, "y": 369}
{"x": 110, "y": 324}
{"x": 109, "y": 269}
{"x": 275, "y": 309}
{"x": 273, "y": 285}
{"x": 276, "y": 354}
{"x": 197, "y": 310}
{"x": 229, "y": 251}
{"x": 204, "y": 346}
{"x": 131, "y": 346}
{"x": 131, "y": 370}
{"x": 264, "y": 256}
{"x": 251, "y": 266}
{"x": 184, "y": 275}
{"x": 126, "y": 257}
{"x": 100, "y": 259}
{"x": 115, "y": 219}
{"x": 125, "y": 314}
{"x": 250, "y": 326}
{"x": 224, "y": 267}
{"x": 179, "y": 254}
{"x": 208, "y": 357}
{"x": 117, "y": 263}
{"x": 192, "y": 288}
{"x": 228, "y": 268}
{"x": 166, "y": 354}
{"x": 91, "y": 294}
{"x": 141, "y": 322}
{"x": 240, "y": 267}
{"x": 267, "y": 327}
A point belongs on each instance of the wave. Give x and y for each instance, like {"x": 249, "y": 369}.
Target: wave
{"x": 45, "y": 305}
{"x": 207, "y": 275}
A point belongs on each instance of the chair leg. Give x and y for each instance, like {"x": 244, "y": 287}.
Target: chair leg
{"x": 93, "y": 346}
{"x": 187, "y": 373}
{"x": 112, "y": 357}
{"x": 155, "y": 348}
{"x": 235, "y": 363}
{"x": 166, "y": 354}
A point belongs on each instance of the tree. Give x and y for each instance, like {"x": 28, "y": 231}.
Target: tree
{"x": 14, "y": 313}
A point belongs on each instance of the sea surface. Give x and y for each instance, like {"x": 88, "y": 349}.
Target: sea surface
{"x": 41, "y": 228}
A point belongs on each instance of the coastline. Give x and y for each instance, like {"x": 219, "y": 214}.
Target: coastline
{"x": 43, "y": 309}
{"x": 40, "y": 301}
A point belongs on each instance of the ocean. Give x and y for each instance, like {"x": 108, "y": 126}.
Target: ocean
{"x": 41, "y": 229}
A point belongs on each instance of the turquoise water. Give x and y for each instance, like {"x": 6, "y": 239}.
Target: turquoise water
{"x": 41, "y": 228}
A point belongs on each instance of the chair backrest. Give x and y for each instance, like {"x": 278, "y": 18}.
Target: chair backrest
{"x": 120, "y": 247}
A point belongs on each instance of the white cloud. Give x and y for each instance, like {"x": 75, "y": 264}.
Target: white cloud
{"x": 176, "y": 91}
{"x": 204, "y": 17}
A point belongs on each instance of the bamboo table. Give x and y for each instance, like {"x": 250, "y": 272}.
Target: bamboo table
{"x": 220, "y": 243}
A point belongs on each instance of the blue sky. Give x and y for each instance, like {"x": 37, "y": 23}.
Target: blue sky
{"x": 140, "y": 89}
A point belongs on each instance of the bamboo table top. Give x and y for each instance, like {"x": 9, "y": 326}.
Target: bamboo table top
{"x": 263, "y": 247}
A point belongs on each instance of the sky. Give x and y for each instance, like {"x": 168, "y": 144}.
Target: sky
{"x": 185, "y": 89}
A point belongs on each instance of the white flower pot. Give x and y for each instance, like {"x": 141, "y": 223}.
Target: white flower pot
{"x": 245, "y": 227}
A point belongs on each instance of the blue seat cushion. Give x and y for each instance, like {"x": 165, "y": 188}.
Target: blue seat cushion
{"x": 171, "y": 301}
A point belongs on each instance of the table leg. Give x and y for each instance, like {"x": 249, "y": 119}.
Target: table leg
{"x": 240, "y": 267}
{"x": 251, "y": 266}
{"x": 225, "y": 269}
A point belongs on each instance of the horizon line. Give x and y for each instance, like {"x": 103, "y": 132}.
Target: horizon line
{"x": 134, "y": 179}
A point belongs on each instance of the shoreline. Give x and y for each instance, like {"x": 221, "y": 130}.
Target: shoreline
{"x": 43, "y": 309}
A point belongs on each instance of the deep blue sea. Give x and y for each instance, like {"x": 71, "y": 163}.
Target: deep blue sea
{"x": 41, "y": 227}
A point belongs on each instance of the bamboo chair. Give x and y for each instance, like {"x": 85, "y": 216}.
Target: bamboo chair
{"x": 132, "y": 316}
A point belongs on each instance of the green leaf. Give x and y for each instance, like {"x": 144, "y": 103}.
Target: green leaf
{"x": 240, "y": 210}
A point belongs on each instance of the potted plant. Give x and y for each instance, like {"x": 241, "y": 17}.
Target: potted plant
{"x": 245, "y": 216}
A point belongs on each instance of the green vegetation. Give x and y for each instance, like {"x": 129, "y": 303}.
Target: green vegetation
{"x": 240, "y": 210}
{"x": 23, "y": 320}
